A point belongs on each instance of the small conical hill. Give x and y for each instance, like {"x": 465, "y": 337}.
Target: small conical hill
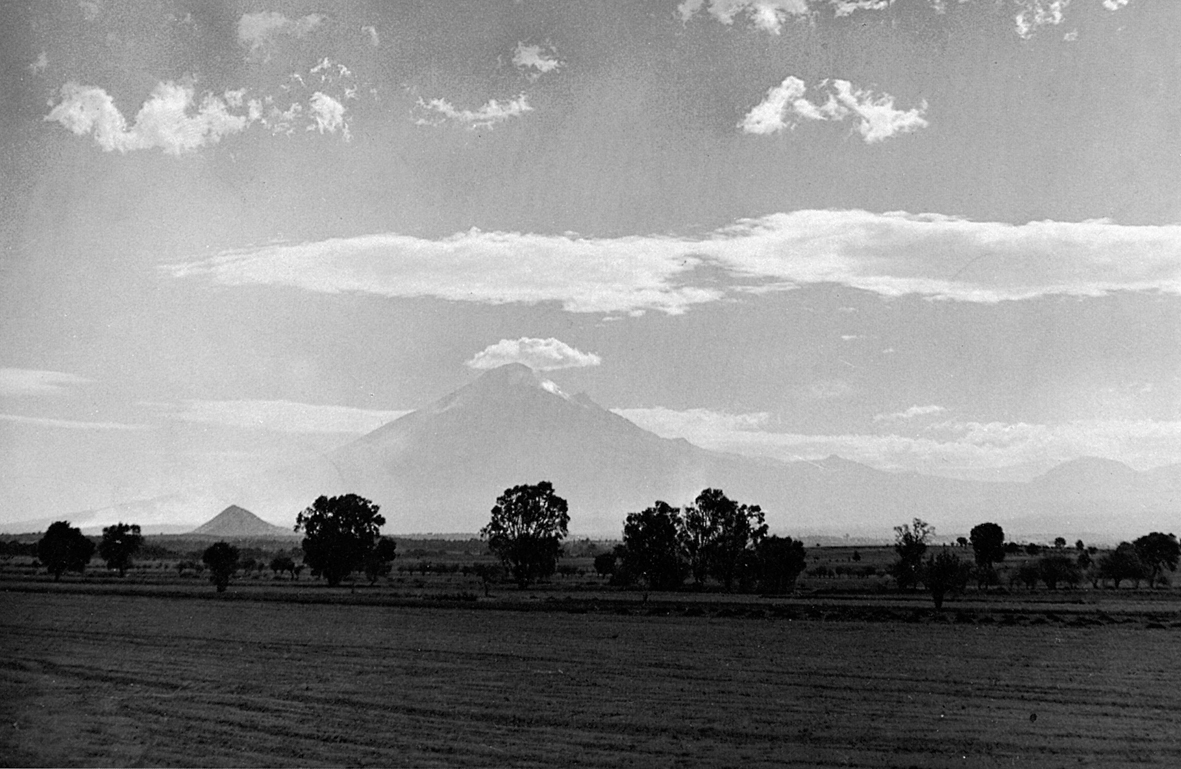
{"x": 238, "y": 523}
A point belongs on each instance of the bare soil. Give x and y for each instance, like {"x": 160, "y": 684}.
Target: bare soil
{"x": 102, "y": 679}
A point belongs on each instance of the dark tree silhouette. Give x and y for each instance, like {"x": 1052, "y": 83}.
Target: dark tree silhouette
{"x": 1058, "y": 567}
{"x": 781, "y": 561}
{"x": 1121, "y": 563}
{"x": 910, "y": 543}
{"x": 650, "y": 553}
{"x": 283, "y": 564}
{"x": 526, "y": 531}
{"x": 605, "y": 563}
{"x": 988, "y": 544}
{"x": 340, "y": 534}
{"x": 64, "y": 548}
{"x": 381, "y": 559}
{"x": 945, "y": 573}
{"x": 1157, "y": 552}
{"x": 718, "y": 534}
{"x": 222, "y": 560}
{"x": 118, "y": 544}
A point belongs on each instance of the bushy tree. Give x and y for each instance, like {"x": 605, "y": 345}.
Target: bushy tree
{"x": 381, "y": 559}
{"x": 1058, "y": 567}
{"x": 118, "y": 544}
{"x": 526, "y": 531}
{"x": 945, "y": 573}
{"x": 283, "y": 564}
{"x": 64, "y": 548}
{"x": 781, "y": 560}
{"x": 1157, "y": 552}
{"x": 605, "y": 563}
{"x": 1120, "y": 564}
{"x": 222, "y": 560}
{"x": 340, "y": 532}
{"x": 988, "y": 544}
{"x": 650, "y": 552}
{"x": 910, "y": 543}
{"x": 717, "y": 536}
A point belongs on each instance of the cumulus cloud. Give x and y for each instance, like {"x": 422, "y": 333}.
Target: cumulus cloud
{"x": 328, "y": 114}
{"x": 40, "y": 64}
{"x": 767, "y": 15}
{"x": 485, "y": 117}
{"x": 910, "y": 413}
{"x": 538, "y": 354}
{"x": 170, "y": 119}
{"x": 536, "y": 60}
{"x": 1115, "y": 5}
{"x": 1039, "y": 13}
{"x": 282, "y": 416}
{"x": 374, "y": 39}
{"x": 877, "y": 118}
{"x": 892, "y": 254}
{"x": 69, "y": 424}
{"x": 259, "y": 31}
{"x": 22, "y": 381}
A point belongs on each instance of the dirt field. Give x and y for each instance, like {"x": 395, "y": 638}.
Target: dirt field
{"x": 120, "y": 680}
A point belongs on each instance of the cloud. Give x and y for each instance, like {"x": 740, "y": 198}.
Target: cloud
{"x": 90, "y": 9}
{"x": 1115, "y": 5}
{"x": 539, "y": 354}
{"x": 962, "y": 448}
{"x": 374, "y": 39}
{"x": 849, "y": 7}
{"x": 540, "y": 59}
{"x": 910, "y": 413}
{"x": 21, "y": 381}
{"x": 40, "y": 64}
{"x": 1038, "y": 13}
{"x": 891, "y": 254}
{"x": 69, "y": 424}
{"x": 259, "y": 31}
{"x": 767, "y": 15}
{"x": 164, "y": 121}
{"x": 876, "y": 115}
{"x": 282, "y": 416}
{"x": 328, "y": 114}
{"x": 485, "y": 117}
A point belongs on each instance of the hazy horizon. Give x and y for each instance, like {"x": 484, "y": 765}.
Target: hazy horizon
{"x": 924, "y": 236}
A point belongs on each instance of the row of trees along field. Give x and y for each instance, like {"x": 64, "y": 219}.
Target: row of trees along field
{"x": 715, "y": 538}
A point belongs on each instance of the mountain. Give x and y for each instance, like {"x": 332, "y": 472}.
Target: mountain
{"x": 238, "y": 523}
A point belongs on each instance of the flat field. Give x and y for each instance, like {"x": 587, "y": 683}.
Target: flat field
{"x": 99, "y": 680}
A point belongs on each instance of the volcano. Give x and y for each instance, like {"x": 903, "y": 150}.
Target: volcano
{"x": 239, "y": 523}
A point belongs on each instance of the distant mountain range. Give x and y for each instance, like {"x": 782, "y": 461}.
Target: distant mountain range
{"x": 440, "y": 469}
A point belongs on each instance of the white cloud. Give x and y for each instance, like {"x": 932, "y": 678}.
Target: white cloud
{"x": 258, "y": 31}
{"x": 374, "y": 39}
{"x": 164, "y": 121}
{"x": 40, "y": 64}
{"x": 877, "y": 117}
{"x": 910, "y": 413}
{"x": 1115, "y": 5}
{"x": 21, "y": 381}
{"x": 283, "y": 416}
{"x": 849, "y": 7}
{"x": 540, "y": 59}
{"x": 485, "y": 117}
{"x": 767, "y": 15}
{"x": 964, "y": 447}
{"x": 891, "y": 254}
{"x": 539, "y": 354}
{"x": 1038, "y": 13}
{"x": 69, "y": 424}
{"x": 328, "y": 114}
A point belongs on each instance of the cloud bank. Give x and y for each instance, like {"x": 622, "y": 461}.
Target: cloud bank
{"x": 891, "y": 254}
{"x": 282, "y": 416}
{"x": 538, "y": 354}
{"x": 23, "y": 381}
{"x": 785, "y": 106}
{"x": 439, "y": 111}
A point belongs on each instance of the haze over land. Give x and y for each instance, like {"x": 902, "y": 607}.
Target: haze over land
{"x": 929, "y": 238}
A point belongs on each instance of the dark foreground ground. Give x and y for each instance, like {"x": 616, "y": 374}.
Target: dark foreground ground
{"x": 105, "y": 679}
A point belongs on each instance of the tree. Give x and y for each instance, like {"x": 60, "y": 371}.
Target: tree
{"x": 1059, "y": 543}
{"x": 605, "y": 563}
{"x": 1120, "y": 564}
{"x": 1058, "y": 567}
{"x": 910, "y": 542}
{"x": 1033, "y": 548}
{"x": 526, "y": 531}
{"x": 945, "y": 573}
{"x": 1078, "y": 545}
{"x": 718, "y": 534}
{"x": 222, "y": 560}
{"x": 340, "y": 533}
{"x": 988, "y": 544}
{"x": 118, "y": 544}
{"x": 64, "y": 548}
{"x": 381, "y": 559}
{"x": 650, "y": 551}
{"x": 1157, "y": 552}
{"x": 961, "y": 541}
{"x": 781, "y": 561}
{"x": 283, "y": 564}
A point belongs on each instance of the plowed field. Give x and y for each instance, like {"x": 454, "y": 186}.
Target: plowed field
{"x": 121, "y": 680}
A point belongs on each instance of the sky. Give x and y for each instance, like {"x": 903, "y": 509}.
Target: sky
{"x": 924, "y": 235}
